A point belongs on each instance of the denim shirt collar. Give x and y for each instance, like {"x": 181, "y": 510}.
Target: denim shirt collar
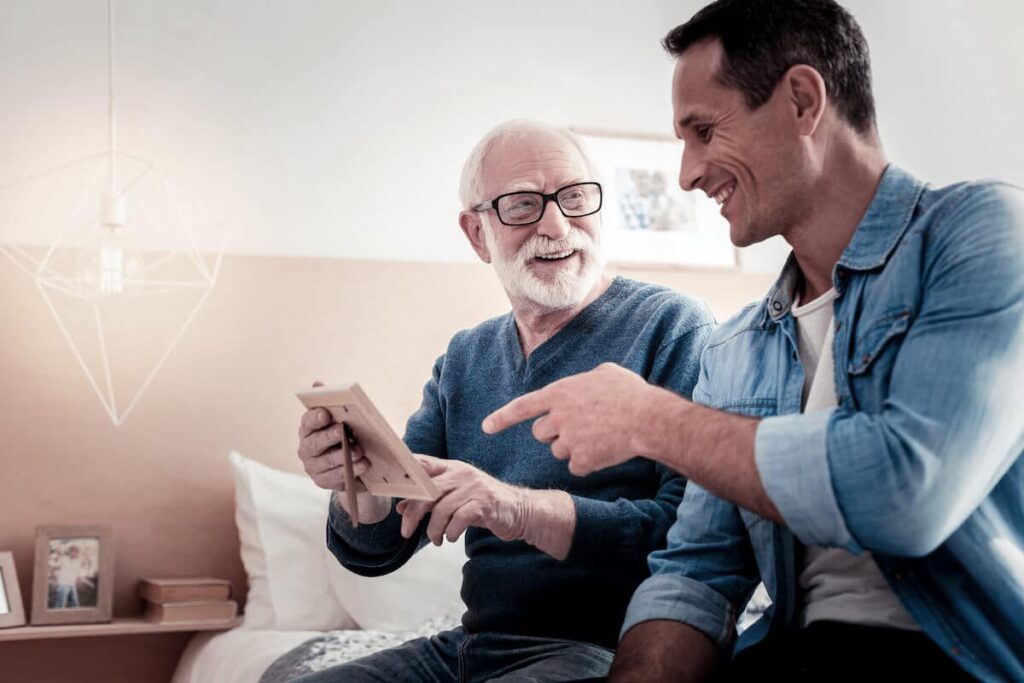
{"x": 880, "y": 230}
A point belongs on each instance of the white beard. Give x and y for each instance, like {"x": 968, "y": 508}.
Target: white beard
{"x": 567, "y": 288}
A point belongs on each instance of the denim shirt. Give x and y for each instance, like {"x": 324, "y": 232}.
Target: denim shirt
{"x": 919, "y": 463}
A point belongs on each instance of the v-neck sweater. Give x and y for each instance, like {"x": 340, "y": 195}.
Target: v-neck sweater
{"x": 622, "y": 513}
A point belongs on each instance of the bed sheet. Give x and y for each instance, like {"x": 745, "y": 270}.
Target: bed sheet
{"x": 261, "y": 656}
{"x": 240, "y": 655}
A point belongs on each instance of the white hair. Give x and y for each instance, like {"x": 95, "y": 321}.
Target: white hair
{"x": 471, "y": 182}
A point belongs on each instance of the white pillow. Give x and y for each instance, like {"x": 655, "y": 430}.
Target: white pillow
{"x": 282, "y": 522}
{"x": 426, "y": 587}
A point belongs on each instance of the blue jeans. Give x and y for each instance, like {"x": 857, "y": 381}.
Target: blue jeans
{"x": 459, "y": 657}
{"x": 67, "y": 596}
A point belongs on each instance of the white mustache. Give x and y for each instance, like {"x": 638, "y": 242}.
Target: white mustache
{"x": 538, "y": 245}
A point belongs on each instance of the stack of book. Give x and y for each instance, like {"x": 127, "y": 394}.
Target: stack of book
{"x": 197, "y": 599}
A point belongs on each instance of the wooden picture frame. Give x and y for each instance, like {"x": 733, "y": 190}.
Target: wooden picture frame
{"x": 393, "y": 469}
{"x": 73, "y": 577}
{"x": 647, "y": 220}
{"x": 12, "y": 611}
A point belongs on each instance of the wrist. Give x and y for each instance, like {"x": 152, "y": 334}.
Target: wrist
{"x": 548, "y": 521}
{"x": 372, "y": 509}
{"x": 660, "y": 422}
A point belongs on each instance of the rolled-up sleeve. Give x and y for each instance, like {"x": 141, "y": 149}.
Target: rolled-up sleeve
{"x": 680, "y": 598}
{"x": 791, "y": 452}
{"x": 705, "y": 573}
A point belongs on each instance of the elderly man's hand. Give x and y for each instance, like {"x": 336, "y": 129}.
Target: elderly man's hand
{"x": 320, "y": 451}
{"x": 469, "y": 497}
{"x": 589, "y": 419}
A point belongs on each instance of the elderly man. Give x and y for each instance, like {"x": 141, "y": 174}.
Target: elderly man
{"x": 859, "y": 445}
{"x": 553, "y": 559}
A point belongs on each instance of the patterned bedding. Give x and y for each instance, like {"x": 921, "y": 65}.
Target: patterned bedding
{"x": 337, "y": 647}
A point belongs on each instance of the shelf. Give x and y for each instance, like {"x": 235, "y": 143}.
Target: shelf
{"x": 126, "y": 626}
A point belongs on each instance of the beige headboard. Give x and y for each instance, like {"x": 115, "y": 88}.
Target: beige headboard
{"x": 162, "y": 479}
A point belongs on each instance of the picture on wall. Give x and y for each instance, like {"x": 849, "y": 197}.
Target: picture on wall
{"x": 11, "y": 611}
{"x": 648, "y": 220}
{"x": 73, "y": 577}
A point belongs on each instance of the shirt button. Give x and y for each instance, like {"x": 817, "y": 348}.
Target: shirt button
{"x": 776, "y": 306}
{"x": 865, "y": 358}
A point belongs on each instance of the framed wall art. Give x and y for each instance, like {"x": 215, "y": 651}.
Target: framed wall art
{"x": 648, "y": 219}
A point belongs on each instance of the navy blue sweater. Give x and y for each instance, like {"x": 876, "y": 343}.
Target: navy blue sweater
{"x": 622, "y": 513}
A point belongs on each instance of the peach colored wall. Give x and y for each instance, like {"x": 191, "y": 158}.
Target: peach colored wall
{"x": 272, "y": 325}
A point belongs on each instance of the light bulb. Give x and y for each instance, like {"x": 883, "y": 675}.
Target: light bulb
{"x": 104, "y": 266}
{"x": 111, "y": 267}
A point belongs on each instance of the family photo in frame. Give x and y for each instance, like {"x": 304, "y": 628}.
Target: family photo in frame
{"x": 73, "y": 577}
{"x": 12, "y": 611}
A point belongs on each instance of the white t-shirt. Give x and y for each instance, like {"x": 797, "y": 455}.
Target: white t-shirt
{"x": 837, "y": 585}
{"x": 68, "y": 570}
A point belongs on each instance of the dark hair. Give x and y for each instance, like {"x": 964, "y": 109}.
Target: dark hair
{"x": 762, "y": 39}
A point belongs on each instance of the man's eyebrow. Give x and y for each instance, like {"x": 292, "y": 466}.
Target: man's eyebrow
{"x": 690, "y": 118}
{"x": 571, "y": 180}
{"x": 528, "y": 186}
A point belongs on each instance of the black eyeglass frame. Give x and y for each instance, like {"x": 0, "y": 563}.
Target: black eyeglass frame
{"x": 552, "y": 197}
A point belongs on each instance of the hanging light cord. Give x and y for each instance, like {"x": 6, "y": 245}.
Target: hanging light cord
{"x": 110, "y": 97}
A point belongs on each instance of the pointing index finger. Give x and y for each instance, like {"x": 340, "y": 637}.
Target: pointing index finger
{"x": 515, "y": 411}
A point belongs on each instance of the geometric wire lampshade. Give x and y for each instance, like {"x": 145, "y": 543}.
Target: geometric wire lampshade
{"x": 122, "y": 301}
{"x": 123, "y": 278}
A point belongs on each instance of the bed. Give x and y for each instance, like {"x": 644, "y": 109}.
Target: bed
{"x": 269, "y": 656}
{"x": 305, "y": 612}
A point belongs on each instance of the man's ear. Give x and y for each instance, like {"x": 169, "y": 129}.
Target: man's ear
{"x": 804, "y": 89}
{"x": 472, "y": 226}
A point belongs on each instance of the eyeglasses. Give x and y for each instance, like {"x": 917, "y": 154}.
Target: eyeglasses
{"x": 526, "y": 208}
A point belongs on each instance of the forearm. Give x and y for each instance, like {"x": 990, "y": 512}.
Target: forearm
{"x": 372, "y": 509}
{"x": 711, "y": 447}
{"x": 664, "y": 650}
{"x": 549, "y": 521}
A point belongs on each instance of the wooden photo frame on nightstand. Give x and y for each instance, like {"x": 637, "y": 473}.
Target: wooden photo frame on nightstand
{"x": 393, "y": 469}
{"x": 12, "y": 611}
{"x": 73, "y": 578}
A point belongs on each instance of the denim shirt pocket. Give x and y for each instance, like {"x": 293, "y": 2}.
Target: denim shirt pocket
{"x": 751, "y": 407}
{"x": 873, "y": 342}
{"x": 872, "y": 357}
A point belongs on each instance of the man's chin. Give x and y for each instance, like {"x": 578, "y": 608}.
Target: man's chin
{"x": 553, "y": 286}
{"x": 554, "y": 295}
{"x": 742, "y": 236}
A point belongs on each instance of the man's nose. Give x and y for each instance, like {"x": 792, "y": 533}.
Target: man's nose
{"x": 691, "y": 169}
{"x": 552, "y": 223}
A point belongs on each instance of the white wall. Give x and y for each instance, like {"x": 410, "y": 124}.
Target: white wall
{"x": 338, "y": 128}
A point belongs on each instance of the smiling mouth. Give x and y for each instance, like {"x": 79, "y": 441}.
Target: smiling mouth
{"x": 723, "y": 194}
{"x": 557, "y": 256}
